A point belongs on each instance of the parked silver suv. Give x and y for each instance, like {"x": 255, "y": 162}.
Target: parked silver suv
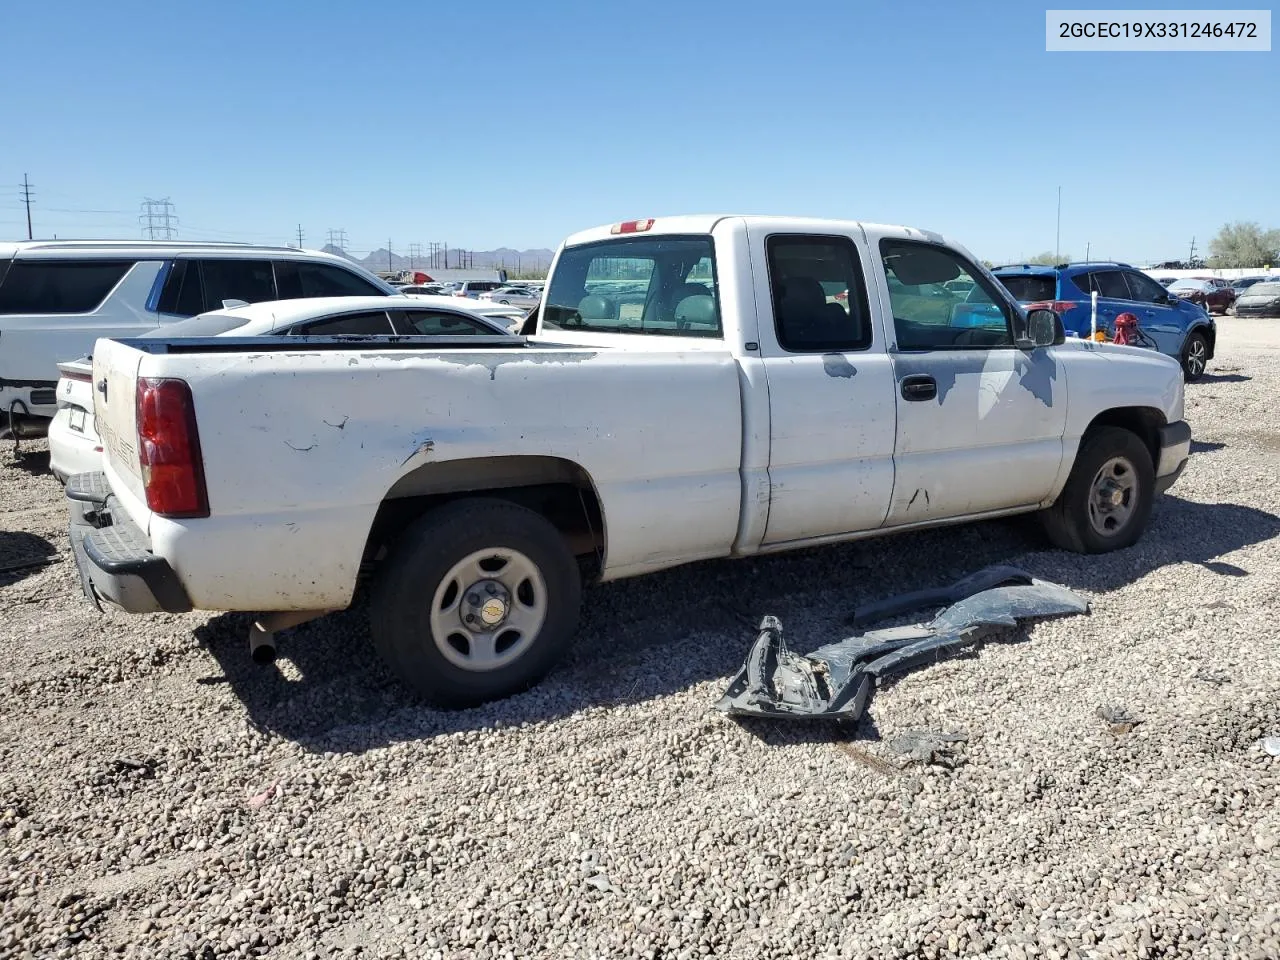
{"x": 58, "y": 297}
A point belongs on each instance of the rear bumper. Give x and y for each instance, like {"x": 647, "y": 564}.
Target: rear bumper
{"x": 1175, "y": 449}
{"x": 114, "y": 556}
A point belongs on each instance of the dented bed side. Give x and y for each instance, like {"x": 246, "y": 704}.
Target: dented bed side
{"x": 301, "y": 448}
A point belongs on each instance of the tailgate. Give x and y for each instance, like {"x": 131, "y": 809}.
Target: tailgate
{"x": 115, "y": 369}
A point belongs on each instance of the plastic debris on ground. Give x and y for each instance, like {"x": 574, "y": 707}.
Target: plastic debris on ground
{"x": 835, "y": 681}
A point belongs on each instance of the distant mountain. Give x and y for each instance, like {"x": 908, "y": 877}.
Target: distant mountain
{"x": 337, "y": 252}
{"x": 513, "y": 260}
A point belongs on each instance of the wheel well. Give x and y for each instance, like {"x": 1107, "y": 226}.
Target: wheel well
{"x": 1143, "y": 421}
{"x": 560, "y": 490}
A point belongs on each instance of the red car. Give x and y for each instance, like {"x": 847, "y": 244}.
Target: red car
{"x": 1212, "y": 293}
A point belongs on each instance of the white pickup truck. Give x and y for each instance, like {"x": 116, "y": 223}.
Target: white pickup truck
{"x": 690, "y": 388}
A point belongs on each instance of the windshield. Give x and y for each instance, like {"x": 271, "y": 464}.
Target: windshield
{"x": 203, "y": 325}
{"x": 639, "y": 285}
{"x": 1265, "y": 290}
{"x": 1189, "y": 285}
{"x": 1030, "y": 287}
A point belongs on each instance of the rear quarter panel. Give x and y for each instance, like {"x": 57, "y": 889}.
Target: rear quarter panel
{"x": 300, "y": 448}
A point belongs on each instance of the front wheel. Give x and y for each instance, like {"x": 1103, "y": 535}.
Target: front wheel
{"x": 1195, "y": 356}
{"x": 477, "y": 600}
{"x": 1107, "y": 499}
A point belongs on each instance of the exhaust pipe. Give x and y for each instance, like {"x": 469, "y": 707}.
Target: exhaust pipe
{"x": 262, "y": 635}
{"x": 262, "y": 645}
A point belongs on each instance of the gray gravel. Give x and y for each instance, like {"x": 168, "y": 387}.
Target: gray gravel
{"x": 1106, "y": 792}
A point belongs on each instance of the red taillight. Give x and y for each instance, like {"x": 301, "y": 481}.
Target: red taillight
{"x": 1057, "y": 306}
{"x": 632, "y": 226}
{"x": 169, "y": 449}
{"x": 76, "y": 375}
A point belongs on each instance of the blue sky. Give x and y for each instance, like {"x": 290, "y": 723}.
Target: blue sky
{"x": 515, "y": 124}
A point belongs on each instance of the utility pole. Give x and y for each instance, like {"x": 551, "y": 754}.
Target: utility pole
{"x": 157, "y": 219}
{"x": 1087, "y": 248}
{"x": 1191, "y": 257}
{"x": 1057, "y": 236}
{"x": 26, "y": 198}
{"x": 389, "y": 270}
{"x": 446, "y": 256}
{"x": 299, "y": 236}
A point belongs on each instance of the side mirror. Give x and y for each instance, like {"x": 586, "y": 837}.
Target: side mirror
{"x": 1042, "y": 327}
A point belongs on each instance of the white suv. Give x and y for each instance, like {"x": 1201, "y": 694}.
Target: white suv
{"x": 58, "y": 297}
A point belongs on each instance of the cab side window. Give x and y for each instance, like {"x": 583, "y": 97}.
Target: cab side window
{"x": 819, "y": 297}
{"x": 930, "y": 315}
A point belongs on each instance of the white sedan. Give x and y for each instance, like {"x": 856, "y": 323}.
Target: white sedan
{"x": 74, "y": 446}
{"x": 516, "y": 296}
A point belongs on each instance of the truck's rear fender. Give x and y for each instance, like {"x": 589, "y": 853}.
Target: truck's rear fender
{"x": 559, "y": 489}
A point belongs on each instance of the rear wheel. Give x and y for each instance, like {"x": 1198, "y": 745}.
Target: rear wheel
{"x": 1107, "y": 500}
{"x": 1195, "y": 356}
{"x": 477, "y": 600}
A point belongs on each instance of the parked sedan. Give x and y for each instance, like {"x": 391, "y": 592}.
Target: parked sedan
{"x": 74, "y": 446}
{"x": 517, "y": 296}
{"x": 1260, "y": 300}
{"x": 1244, "y": 283}
{"x": 1206, "y": 293}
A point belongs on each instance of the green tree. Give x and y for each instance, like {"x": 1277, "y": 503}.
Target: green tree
{"x": 1244, "y": 245}
{"x": 1049, "y": 258}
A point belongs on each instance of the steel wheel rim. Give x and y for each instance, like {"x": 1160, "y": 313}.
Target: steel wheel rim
{"x": 480, "y": 586}
{"x": 1196, "y": 356}
{"x": 1113, "y": 497}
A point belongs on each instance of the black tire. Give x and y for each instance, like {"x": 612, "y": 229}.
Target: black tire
{"x": 404, "y": 594}
{"x": 1068, "y": 522}
{"x": 1195, "y": 356}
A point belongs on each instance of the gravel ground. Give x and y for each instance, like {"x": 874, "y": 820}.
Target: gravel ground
{"x": 162, "y": 796}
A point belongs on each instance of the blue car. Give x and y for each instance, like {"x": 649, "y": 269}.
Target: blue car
{"x": 1178, "y": 328}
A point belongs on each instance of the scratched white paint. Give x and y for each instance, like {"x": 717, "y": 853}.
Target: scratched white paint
{"x": 696, "y": 448}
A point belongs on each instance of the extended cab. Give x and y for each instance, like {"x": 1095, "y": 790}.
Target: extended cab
{"x": 691, "y": 387}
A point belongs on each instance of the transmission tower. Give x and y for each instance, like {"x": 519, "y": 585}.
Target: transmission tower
{"x": 415, "y": 253}
{"x": 158, "y": 220}
{"x": 338, "y": 238}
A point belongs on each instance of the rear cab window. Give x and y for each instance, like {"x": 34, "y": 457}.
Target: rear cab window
{"x": 59, "y": 286}
{"x": 655, "y": 285}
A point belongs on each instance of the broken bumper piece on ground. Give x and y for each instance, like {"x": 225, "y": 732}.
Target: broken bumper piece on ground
{"x": 836, "y": 680}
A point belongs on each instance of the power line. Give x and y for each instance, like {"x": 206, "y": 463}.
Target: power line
{"x": 157, "y": 219}
{"x": 26, "y": 199}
